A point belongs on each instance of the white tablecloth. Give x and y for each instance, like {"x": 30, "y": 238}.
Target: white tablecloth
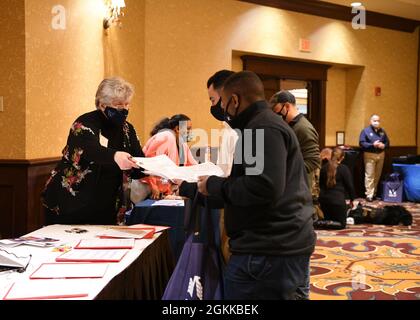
{"x": 45, "y": 255}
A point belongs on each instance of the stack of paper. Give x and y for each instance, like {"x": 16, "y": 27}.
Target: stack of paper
{"x": 169, "y": 203}
{"x": 128, "y": 233}
{"x": 164, "y": 167}
{"x": 31, "y": 241}
{"x": 148, "y": 226}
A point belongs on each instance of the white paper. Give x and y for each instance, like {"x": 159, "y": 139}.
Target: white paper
{"x": 92, "y": 256}
{"x": 169, "y": 203}
{"x": 135, "y": 234}
{"x": 46, "y": 289}
{"x": 106, "y": 244}
{"x": 8, "y": 243}
{"x": 70, "y": 270}
{"x": 192, "y": 173}
{"x": 164, "y": 167}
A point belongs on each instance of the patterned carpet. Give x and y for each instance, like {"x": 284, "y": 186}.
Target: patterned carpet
{"x": 368, "y": 262}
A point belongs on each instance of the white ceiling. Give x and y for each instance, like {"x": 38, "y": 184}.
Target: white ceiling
{"x": 409, "y": 9}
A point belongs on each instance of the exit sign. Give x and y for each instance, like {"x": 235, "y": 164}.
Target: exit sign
{"x": 305, "y": 45}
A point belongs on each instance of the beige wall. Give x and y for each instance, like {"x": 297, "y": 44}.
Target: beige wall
{"x": 63, "y": 70}
{"x": 168, "y": 49}
{"x": 12, "y": 79}
{"x": 124, "y": 56}
{"x": 188, "y": 40}
{"x": 418, "y": 108}
{"x": 336, "y": 104}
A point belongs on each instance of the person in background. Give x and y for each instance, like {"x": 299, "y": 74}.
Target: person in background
{"x": 284, "y": 104}
{"x": 229, "y": 137}
{"x": 325, "y": 155}
{"x": 373, "y": 142}
{"x": 90, "y": 183}
{"x": 268, "y": 206}
{"x": 169, "y": 137}
{"x": 335, "y": 181}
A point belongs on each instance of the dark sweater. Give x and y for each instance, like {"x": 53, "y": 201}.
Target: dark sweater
{"x": 269, "y": 213}
{"x": 344, "y": 183}
{"x": 369, "y": 135}
{"x": 308, "y": 141}
{"x": 85, "y": 186}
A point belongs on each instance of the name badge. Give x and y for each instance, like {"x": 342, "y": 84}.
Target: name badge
{"x": 103, "y": 141}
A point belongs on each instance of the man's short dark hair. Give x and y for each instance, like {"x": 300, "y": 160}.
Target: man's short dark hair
{"x": 247, "y": 84}
{"x": 219, "y": 78}
{"x": 284, "y": 96}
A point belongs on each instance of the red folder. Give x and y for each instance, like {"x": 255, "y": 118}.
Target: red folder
{"x": 9, "y": 296}
{"x": 80, "y": 246}
{"x": 149, "y": 235}
{"x": 40, "y": 274}
{"x": 64, "y": 257}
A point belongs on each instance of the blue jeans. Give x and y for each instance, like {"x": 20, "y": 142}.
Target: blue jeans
{"x": 303, "y": 291}
{"x": 252, "y": 277}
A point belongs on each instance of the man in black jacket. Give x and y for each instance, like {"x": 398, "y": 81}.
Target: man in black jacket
{"x": 268, "y": 206}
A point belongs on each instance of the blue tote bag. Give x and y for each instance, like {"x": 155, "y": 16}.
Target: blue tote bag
{"x": 198, "y": 274}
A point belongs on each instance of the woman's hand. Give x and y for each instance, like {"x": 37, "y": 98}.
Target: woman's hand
{"x": 155, "y": 195}
{"x": 125, "y": 161}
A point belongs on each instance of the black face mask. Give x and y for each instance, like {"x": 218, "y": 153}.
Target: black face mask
{"x": 228, "y": 118}
{"x": 217, "y": 111}
{"x": 117, "y": 117}
{"x": 284, "y": 116}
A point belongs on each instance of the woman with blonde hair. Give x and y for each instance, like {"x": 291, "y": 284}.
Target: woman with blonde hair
{"x": 90, "y": 185}
{"x": 335, "y": 182}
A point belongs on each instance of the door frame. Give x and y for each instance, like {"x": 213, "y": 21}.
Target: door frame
{"x": 315, "y": 73}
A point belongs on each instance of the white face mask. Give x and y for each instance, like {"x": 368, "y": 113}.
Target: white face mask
{"x": 375, "y": 123}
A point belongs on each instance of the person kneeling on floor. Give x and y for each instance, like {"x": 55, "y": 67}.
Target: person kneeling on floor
{"x": 335, "y": 181}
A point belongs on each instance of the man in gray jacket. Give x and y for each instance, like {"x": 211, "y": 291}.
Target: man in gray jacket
{"x": 284, "y": 104}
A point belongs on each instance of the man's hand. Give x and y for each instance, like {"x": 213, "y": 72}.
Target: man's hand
{"x": 125, "y": 161}
{"x": 202, "y": 185}
{"x": 376, "y": 144}
{"x": 381, "y": 145}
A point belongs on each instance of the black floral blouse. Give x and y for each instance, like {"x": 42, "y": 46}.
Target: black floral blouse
{"x": 87, "y": 186}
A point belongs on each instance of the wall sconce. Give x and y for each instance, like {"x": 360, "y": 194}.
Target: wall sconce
{"x": 114, "y": 12}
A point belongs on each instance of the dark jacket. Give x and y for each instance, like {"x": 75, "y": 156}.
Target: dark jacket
{"x": 189, "y": 190}
{"x": 269, "y": 213}
{"x": 86, "y": 186}
{"x": 369, "y": 135}
{"x": 308, "y": 141}
{"x": 344, "y": 185}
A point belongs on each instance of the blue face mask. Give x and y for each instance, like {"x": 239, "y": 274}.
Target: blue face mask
{"x": 117, "y": 117}
{"x": 187, "y": 137}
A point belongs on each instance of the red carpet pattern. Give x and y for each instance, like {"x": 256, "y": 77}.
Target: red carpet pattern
{"x": 366, "y": 262}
